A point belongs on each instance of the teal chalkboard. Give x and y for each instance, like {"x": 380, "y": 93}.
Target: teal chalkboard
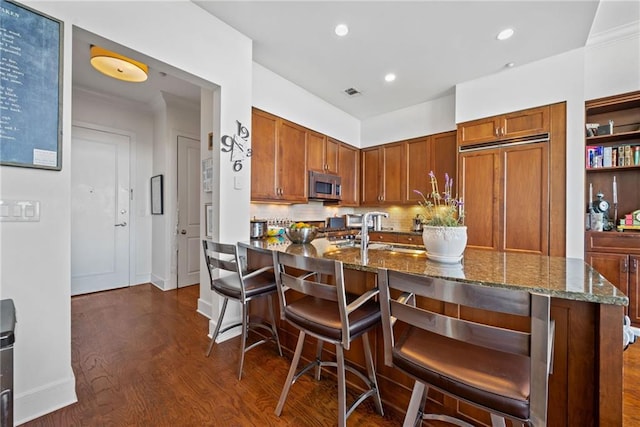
{"x": 30, "y": 88}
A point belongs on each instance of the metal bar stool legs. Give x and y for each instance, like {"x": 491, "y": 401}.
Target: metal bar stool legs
{"x": 291, "y": 376}
{"x": 218, "y": 325}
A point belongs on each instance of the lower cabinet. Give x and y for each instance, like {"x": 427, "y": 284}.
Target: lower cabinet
{"x": 402, "y": 238}
{"x": 617, "y": 257}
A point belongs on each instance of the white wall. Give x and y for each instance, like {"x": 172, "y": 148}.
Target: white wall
{"x": 136, "y": 119}
{"x": 278, "y": 96}
{"x": 427, "y": 118}
{"x": 198, "y": 44}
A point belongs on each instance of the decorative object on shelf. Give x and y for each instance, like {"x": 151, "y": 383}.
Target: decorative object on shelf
{"x": 157, "y": 207}
{"x": 207, "y": 175}
{"x": 600, "y": 215}
{"x": 443, "y": 232}
{"x": 237, "y": 146}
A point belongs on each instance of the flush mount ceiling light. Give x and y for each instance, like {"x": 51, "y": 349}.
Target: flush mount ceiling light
{"x": 341, "y": 30}
{"x": 505, "y": 34}
{"x": 390, "y": 77}
{"x": 118, "y": 66}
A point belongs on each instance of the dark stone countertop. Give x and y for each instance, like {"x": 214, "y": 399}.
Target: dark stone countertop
{"x": 566, "y": 278}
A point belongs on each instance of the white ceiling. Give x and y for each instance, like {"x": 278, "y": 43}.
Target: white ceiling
{"x": 430, "y": 45}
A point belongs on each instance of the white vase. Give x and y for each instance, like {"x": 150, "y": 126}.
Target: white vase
{"x": 444, "y": 244}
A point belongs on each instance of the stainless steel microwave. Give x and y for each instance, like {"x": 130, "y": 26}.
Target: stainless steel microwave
{"x": 324, "y": 186}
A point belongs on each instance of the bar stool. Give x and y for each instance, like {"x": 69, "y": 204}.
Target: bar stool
{"x": 329, "y": 313}
{"x": 502, "y": 370}
{"x": 241, "y": 286}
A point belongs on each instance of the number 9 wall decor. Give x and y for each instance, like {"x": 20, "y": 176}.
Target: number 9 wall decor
{"x": 237, "y": 146}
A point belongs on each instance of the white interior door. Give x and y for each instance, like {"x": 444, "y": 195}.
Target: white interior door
{"x": 99, "y": 210}
{"x": 189, "y": 246}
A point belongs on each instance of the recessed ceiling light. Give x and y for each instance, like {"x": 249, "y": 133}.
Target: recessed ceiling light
{"x": 390, "y": 77}
{"x": 341, "y": 30}
{"x": 509, "y": 64}
{"x": 505, "y": 34}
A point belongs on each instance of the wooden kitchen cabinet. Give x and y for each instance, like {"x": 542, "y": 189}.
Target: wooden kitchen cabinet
{"x": 617, "y": 257}
{"x": 382, "y": 175}
{"x": 514, "y": 184}
{"x": 523, "y": 123}
{"x": 506, "y": 197}
{"x": 410, "y": 239}
{"x": 278, "y": 161}
{"x": 435, "y": 153}
{"x": 322, "y": 153}
{"x": 349, "y": 171}
{"x": 383, "y": 237}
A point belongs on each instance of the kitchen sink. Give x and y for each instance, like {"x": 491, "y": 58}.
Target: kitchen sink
{"x": 393, "y": 247}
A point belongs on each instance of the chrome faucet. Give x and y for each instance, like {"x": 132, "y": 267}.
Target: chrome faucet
{"x": 364, "y": 233}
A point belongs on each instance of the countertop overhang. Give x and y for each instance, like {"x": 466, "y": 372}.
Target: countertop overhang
{"x": 566, "y": 278}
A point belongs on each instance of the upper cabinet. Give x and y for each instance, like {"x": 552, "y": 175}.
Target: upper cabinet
{"x": 391, "y": 172}
{"x": 278, "y": 166}
{"x": 513, "y": 125}
{"x": 349, "y": 171}
{"x": 435, "y": 153}
{"x": 383, "y": 175}
{"x": 264, "y": 134}
{"x": 282, "y": 154}
{"x": 322, "y": 153}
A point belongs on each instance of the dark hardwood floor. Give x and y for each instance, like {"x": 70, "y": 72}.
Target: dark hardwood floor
{"x": 138, "y": 355}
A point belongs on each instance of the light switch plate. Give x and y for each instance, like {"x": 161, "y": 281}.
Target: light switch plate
{"x": 19, "y": 211}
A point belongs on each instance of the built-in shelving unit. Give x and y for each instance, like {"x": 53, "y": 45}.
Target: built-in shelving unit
{"x": 615, "y": 253}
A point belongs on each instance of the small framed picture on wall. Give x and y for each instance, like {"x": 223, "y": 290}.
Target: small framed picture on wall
{"x": 157, "y": 207}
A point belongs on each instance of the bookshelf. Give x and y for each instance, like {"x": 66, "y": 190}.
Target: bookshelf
{"x": 615, "y": 253}
{"x": 615, "y": 152}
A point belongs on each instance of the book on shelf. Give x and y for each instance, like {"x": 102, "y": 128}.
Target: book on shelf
{"x": 598, "y": 156}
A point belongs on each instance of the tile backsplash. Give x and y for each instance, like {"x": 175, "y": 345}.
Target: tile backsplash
{"x": 400, "y": 217}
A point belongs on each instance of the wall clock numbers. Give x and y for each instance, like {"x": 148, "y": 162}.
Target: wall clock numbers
{"x": 237, "y": 146}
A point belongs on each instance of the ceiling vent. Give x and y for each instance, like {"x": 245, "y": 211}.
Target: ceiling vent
{"x": 352, "y": 92}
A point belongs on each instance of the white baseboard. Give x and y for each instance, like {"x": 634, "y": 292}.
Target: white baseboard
{"x": 37, "y": 402}
{"x": 158, "y": 282}
{"x": 204, "y": 308}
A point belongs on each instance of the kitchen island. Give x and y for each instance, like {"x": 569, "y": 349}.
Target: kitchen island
{"x": 585, "y": 387}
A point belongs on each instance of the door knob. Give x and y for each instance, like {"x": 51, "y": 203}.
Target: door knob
{"x": 183, "y": 231}
{"x": 122, "y": 224}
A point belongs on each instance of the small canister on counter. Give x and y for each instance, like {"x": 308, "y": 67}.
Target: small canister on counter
{"x": 258, "y": 228}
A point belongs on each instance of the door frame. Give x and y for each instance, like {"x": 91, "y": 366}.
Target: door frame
{"x": 132, "y": 188}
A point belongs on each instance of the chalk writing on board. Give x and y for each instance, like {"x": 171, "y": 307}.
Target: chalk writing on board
{"x": 30, "y": 72}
